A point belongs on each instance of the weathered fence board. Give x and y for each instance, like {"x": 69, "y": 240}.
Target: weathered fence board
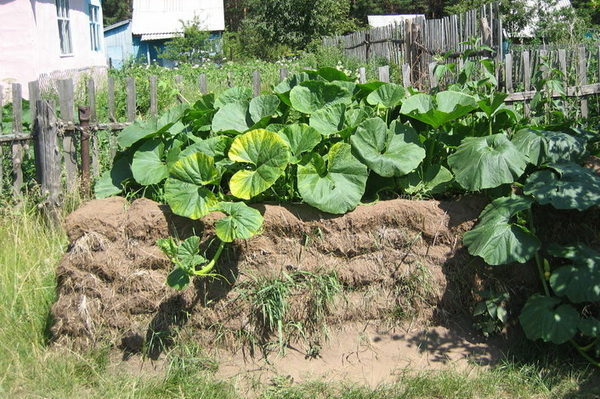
{"x": 17, "y": 147}
{"x": 65, "y": 95}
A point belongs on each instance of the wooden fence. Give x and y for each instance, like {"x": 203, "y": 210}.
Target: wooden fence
{"x": 66, "y": 149}
{"x": 414, "y": 42}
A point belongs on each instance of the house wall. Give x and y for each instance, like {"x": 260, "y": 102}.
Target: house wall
{"x": 119, "y": 45}
{"x": 30, "y": 44}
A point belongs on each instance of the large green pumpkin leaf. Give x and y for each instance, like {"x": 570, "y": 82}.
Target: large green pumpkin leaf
{"x": 241, "y": 222}
{"x": 331, "y": 74}
{"x": 388, "y": 152}
{"x": 589, "y": 327}
{"x": 487, "y": 162}
{"x": 233, "y": 95}
{"x": 267, "y": 152}
{"x": 263, "y": 106}
{"x": 300, "y": 138}
{"x": 532, "y": 143}
{"x": 184, "y": 189}
{"x": 565, "y": 186}
{"x": 311, "y": 96}
{"x": 389, "y": 95}
{"x": 232, "y": 117}
{"x": 579, "y": 282}
{"x": 188, "y": 256}
{"x": 445, "y": 107}
{"x": 547, "y": 319}
{"x": 497, "y": 238}
{"x": 139, "y": 130}
{"x": 294, "y": 80}
{"x": 563, "y": 147}
{"x": 337, "y": 119}
{"x": 334, "y": 184}
{"x": 148, "y": 165}
{"x": 433, "y": 180}
{"x": 111, "y": 181}
{"x": 178, "y": 279}
{"x": 215, "y": 147}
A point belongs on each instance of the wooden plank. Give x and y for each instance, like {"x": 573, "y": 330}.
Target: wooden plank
{"x": 384, "y": 73}
{"x": 65, "y": 95}
{"x": 508, "y": 72}
{"x": 47, "y": 161}
{"x": 283, "y": 74}
{"x": 153, "y": 96}
{"x": 34, "y": 95}
{"x": 406, "y": 75}
{"x": 582, "y": 79}
{"x": 256, "y": 83}
{"x": 433, "y": 81}
{"x": 111, "y": 99}
{"x": 573, "y": 91}
{"x": 526, "y": 77}
{"x": 17, "y": 147}
{"x": 202, "y": 83}
{"x": 95, "y": 145}
{"x": 562, "y": 63}
{"x": 131, "y": 100}
{"x": 362, "y": 75}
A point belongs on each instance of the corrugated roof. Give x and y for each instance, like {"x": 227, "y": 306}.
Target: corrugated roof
{"x": 376, "y": 21}
{"x": 159, "y": 36}
{"x": 165, "y": 16}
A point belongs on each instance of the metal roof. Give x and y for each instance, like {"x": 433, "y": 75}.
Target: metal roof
{"x": 116, "y": 25}
{"x": 166, "y": 16}
{"x": 376, "y": 21}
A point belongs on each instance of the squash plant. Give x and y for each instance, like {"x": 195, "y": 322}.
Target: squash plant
{"x": 323, "y": 139}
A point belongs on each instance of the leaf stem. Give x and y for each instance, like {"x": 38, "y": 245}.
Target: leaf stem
{"x": 538, "y": 259}
{"x": 584, "y": 355}
{"x": 207, "y": 269}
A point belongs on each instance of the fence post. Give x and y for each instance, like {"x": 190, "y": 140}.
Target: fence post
{"x": 362, "y": 75}
{"x": 384, "y": 73}
{"x": 65, "y": 94}
{"x": 508, "y": 72}
{"x": 111, "y": 99}
{"x": 202, "y": 83}
{"x": 17, "y": 147}
{"x": 526, "y": 79}
{"x": 283, "y": 74}
{"x": 91, "y": 89}
{"x": 256, "y": 83}
{"x": 153, "y": 100}
{"x": 131, "y": 100}
{"x": 47, "y": 160}
{"x": 406, "y": 75}
{"x": 84, "y": 123}
{"x": 582, "y": 80}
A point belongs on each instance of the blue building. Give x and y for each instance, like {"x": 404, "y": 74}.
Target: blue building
{"x": 153, "y": 23}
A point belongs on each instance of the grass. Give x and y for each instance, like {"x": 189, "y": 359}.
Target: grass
{"x": 30, "y": 368}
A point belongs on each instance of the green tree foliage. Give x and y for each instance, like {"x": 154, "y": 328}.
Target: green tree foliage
{"x": 276, "y": 26}
{"x": 192, "y": 47}
{"x": 116, "y": 10}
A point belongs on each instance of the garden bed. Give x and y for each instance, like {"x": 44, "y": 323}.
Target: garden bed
{"x": 397, "y": 259}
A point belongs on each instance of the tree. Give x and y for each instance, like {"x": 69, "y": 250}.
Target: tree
{"x": 276, "y": 25}
{"x": 116, "y": 10}
{"x": 192, "y": 47}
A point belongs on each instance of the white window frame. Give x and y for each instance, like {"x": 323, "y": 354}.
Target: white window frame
{"x": 64, "y": 27}
{"x": 95, "y": 42}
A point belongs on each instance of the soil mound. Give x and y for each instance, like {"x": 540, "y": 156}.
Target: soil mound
{"x": 392, "y": 260}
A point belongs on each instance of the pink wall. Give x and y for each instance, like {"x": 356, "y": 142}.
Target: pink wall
{"x": 30, "y": 44}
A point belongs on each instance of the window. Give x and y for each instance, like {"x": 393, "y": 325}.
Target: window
{"x": 94, "y": 28}
{"x": 64, "y": 26}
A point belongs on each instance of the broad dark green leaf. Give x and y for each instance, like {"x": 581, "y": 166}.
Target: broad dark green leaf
{"x": 111, "y": 181}
{"x": 311, "y": 96}
{"x": 445, "y": 107}
{"x": 533, "y": 144}
{"x": 263, "y": 106}
{"x": 565, "y": 186}
{"x": 434, "y": 179}
{"x": 580, "y": 282}
{"x": 497, "y": 238}
{"x": 178, "y": 279}
{"x": 334, "y": 184}
{"x": 139, "y": 130}
{"x": 388, "y": 152}
{"x": 487, "y": 162}
{"x": 300, "y": 138}
{"x": 241, "y": 222}
{"x": 233, "y": 95}
{"x": 215, "y": 147}
{"x": 389, "y": 95}
{"x": 148, "y": 165}
{"x": 233, "y": 117}
{"x": 546, "y": 318}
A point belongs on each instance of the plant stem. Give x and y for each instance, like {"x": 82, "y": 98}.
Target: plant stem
{"x": 584, "y": 355}
{"x": 207, "y": 269}
{"x": 538, "y": 259}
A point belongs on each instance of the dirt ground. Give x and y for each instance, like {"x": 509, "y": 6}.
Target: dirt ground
{"x": 404, "y": 276}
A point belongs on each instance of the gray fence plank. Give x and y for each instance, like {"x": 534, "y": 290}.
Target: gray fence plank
{"x": 17, "y": 147}
{"x": 65, "y": 95}
{"x": 131, "y": 99}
